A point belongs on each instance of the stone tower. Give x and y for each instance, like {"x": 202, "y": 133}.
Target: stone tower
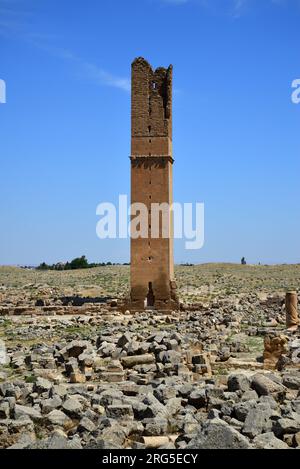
{"x": 152, "y": 265}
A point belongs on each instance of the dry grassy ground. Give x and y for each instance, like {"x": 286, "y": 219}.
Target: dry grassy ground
{"x": 195, "y": 283}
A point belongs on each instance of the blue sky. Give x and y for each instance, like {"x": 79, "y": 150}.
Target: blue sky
{"x": 65, "y": 129}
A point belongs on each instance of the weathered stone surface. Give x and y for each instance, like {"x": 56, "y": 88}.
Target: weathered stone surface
{"x": 57, "y": 440}
{"x": 155, "y": 426}
{"x": 292, "y": 381}
{"x": 75, "y": 348}
{"x": 242, "y": 409}
{"x": 42, "y": 385}
{"x": 265, "y": 386}
{"x": 275, "y": 345}
{"x": 4, "y": 359}
{"x": 48, "y": 405}
{"x": 296, "y": 439}
{"x": 170, "y": 356}
{"x": 72, "y": 407}
{"x": 198, "y": 398}
{"x": 33, "y": 414}
{"x": 4, "y": 410}
{"x": 217, "y": 434}
{"x": 256, "y": 420}
{"x": 58, "y": 418}
{"x": 24, "y": 441}
{"x": 86, "y": 425}
{"x": 59, "y": 390}
{"x": 119, "y": 411}
{"x": 286, "y": 425}
{"x": 238, "y": 382}
{"x": 131, "y": 361}
{"x": 269, "y": 441}
{"x": 77, "y": 377}
{"x": 124, "y": 339}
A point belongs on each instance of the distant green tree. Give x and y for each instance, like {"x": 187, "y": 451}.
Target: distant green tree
{"x": 79, "y": 263}
{"x": 43, "y": 266}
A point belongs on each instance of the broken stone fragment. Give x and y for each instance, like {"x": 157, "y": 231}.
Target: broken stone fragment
{"x": 75, "y": 348}
{"x": 238, "y": 382}
{"x": 269, "y": 441}
{"x": 119, "y": 411}
{"x": 111, "y": 377}
{"x": 292, "y": 380}
{"x": 34, "y": 414}
{"x": 131, "y": 361}
{"x": 257, "y": 420}
{"x": 42, "y": 385}
{"x": 217, "y": 434}
{"x": 169, "y": 356}
{"x": 124, "y": 339}
{"x": 4, "y": 359}
{"x": 198, "y": 398}
{"x": 51, "y": 404}
{"x": 286, "y": 425}
{"x": 155, "y": 426}
{"x": 4, "y": 410}
{"x": 275, "y": 346}
{"x": 77, "y": 377}
{"x": 58, "y": 418}
{"x": 72, "y": 407}
{"x": 86, "y": 425}
{"x": 265, "y": 386}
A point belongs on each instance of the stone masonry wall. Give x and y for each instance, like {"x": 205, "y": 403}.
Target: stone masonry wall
{"x": 151, "y": 181}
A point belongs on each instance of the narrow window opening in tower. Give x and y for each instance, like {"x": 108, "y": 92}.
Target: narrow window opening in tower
{"x": 149, "y": 140}
{"x": 149, "y": 129}
{"x": 154, "y": 85}
{"x": 150, "y": 299}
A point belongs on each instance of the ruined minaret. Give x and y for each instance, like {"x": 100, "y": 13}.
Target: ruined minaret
{"x": 152, "y": 265}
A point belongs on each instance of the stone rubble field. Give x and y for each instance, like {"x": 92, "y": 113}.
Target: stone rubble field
{"x": 77, "y": 372}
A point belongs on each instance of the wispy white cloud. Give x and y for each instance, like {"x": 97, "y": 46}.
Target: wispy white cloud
{"x": 238, "y": 7}
{"x": 234, "y": 8}
{"x": 98, "y": 75}
{"x": 13, "y": 25}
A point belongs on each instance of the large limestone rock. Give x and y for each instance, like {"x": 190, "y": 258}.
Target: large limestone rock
{"x": 269, "y": 441}
{"x": 217, "y": 434}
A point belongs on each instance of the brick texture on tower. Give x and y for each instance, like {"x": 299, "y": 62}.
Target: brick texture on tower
{"x": 152, "y": 265}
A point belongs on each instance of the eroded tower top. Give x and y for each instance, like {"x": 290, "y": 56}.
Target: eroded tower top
{"x": 151, "y": 100}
